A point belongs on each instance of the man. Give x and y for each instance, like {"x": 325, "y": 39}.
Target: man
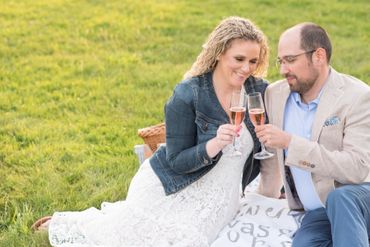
{"x": 320, "y": 128}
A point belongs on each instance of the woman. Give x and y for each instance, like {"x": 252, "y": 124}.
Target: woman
{"x": 188, "y": 191}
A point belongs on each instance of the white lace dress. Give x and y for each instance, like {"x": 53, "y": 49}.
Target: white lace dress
{"x": 190, "y": 217}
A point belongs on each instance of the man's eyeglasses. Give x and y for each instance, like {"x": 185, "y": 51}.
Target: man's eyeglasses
{"x": 290, "y": 59}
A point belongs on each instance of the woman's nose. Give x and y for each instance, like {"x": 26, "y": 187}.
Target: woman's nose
{"x": 245, "y": 68}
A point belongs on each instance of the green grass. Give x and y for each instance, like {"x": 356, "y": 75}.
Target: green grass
{"x": 78, "y": 78}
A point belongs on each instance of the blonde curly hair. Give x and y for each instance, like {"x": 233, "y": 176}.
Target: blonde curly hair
{"x": 219, "y": 41}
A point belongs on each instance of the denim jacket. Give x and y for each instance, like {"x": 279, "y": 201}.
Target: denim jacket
{"x": 193, "y": 115}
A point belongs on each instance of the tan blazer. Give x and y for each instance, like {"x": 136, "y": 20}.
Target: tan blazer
{"x": 339, "y": 150}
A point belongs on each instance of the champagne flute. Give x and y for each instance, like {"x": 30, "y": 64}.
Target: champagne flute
{"x": 237, "y": 109}
{"x": 256, "y": 112}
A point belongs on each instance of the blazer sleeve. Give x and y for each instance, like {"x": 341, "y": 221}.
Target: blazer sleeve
{"x": 271, "y": 179}
{"x": 349, "y": 164}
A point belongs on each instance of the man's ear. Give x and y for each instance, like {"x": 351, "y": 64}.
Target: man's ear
{"x": 319, "y": 56}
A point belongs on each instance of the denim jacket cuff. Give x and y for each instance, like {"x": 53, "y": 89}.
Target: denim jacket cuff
{"x": 203, "y": 157}
{"x": 216, "y": 158}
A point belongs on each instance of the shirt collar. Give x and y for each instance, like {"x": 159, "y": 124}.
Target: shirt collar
{"x": 297, "y": 98}
{"x": 311, "y": 105}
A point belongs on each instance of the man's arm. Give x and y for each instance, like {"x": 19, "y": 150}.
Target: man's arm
{"x": 349, "y": 164}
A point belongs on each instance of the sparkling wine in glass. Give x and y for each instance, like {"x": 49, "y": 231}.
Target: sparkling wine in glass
{"x": 237, "y": 114}
{"x": 257, "y": 116}
{"x": 256, "y": 111}
{"x": 237, "y": 109}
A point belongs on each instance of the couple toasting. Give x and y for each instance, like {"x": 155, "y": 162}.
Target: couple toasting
{"x": 319, "y": 129}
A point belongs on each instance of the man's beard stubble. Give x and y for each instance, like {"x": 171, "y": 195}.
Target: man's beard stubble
{"x": 303, "y": 86}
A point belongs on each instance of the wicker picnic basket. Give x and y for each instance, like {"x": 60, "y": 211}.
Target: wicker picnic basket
{"x": 153, "y": 135}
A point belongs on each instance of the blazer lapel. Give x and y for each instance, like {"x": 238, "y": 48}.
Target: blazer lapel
{"x": 280, "y": 105}
{"x": 330, "y": 96}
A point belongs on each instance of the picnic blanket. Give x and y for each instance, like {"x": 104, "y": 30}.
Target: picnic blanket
{"x": 261, "y": 221}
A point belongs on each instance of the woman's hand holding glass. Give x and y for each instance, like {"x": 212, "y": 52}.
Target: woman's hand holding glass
{"x": 227, "y": 133}
{"x": 224, "y": 136}
{"x": 237, "y": 113}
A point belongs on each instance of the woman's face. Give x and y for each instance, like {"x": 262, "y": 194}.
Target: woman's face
{"x": 238, "y": 62}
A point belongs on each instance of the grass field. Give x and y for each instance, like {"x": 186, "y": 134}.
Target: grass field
{"x": 78, "y": 78}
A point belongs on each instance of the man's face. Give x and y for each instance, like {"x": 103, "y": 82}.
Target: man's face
{"x": 296, "y": 64}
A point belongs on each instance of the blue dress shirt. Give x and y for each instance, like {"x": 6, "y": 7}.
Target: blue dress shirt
{"x": 298, "y": 120}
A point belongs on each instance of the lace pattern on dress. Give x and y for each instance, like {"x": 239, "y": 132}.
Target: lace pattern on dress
{"x": 190, "y": 217}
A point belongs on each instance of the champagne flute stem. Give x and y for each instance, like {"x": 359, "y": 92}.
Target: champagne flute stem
{"x": 263, "y": 147}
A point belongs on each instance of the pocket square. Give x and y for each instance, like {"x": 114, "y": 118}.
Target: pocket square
{"x": 331, "y": 121}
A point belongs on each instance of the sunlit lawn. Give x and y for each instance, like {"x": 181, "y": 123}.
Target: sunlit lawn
{"x": 78, "y": 78}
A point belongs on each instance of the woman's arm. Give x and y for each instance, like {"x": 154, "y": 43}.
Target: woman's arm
{"x": 184, "y": 153}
